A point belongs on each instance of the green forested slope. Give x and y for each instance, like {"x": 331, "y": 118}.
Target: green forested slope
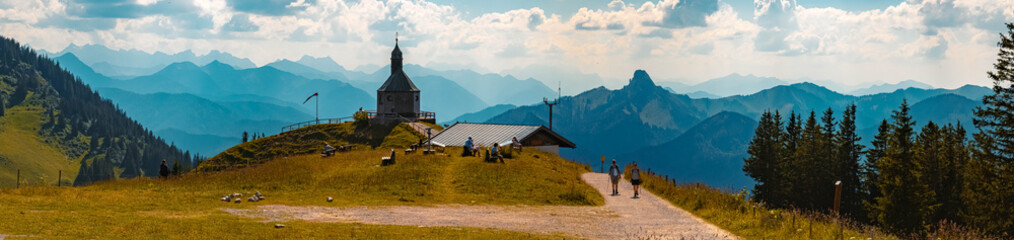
{"x": 51, "y": 121}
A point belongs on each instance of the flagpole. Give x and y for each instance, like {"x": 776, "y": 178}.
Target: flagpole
{"x": 316, "y": 111}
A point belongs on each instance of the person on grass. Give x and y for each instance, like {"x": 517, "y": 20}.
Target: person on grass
{"x": 469, "y": 148}
{"x": 635, "y": 179}
{"x": 495, "y": 152}
{"x": 614, "y": 177}
{"x": 164, "y": 169}
{"x": 516, "y": 144}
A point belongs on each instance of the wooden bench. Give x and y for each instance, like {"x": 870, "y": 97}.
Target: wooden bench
{"x": 385, "y": 161}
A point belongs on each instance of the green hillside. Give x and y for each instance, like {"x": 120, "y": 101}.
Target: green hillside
{"x": 50, "y": 121}
{"x": 188, "y": 206}
{"x": 312, "y": 139}
{"x": 22, "y": 149}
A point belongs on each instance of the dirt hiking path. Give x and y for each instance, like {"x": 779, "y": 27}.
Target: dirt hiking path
{"x": 622, "y": 217}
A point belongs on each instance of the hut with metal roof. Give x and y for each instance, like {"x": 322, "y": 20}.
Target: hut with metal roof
{"x": 485, "y": 135}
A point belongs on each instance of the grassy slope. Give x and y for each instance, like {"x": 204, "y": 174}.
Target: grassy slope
{"x": 188, "y": 206}
{"x": 311, "y": 139}
{"x": 745, "y": 219}
{"x": 22, "y": 148}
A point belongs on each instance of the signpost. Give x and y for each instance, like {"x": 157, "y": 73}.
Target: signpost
{"x": 602, "y": 167}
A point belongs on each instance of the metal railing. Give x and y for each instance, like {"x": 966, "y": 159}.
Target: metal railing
{"x": 369, "y": 113}
{"x": 424, "y": 115}
{"x": 315, "y": 122}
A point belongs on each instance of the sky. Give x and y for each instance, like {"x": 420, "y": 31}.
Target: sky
{"x": 945, "y": 43}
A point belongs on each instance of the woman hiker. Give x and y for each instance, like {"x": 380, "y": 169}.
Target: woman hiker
{"x": 635, "y": 178}
{"x": 614, "y": 176}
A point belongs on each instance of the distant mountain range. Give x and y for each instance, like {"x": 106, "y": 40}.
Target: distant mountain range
{"x": 736, "y": 84}
{"x": 889, "y": 87}
{"x": 51, "y": 123}
{"x": 641, "y": 121}
{"x": 483, "y": 115}
{"x": 217, "y": 102}
{"x": 491, "y": 88}
{"x": 645, "y": 118}
{"x": 712, "y": 151}
{"x": 134, "y": 62}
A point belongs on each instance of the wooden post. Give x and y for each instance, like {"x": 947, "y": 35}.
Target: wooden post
{"x": 59, "y": 178}
{"x": 837, "y": 197}
{"x": 19, "y": 179}
{"x": 837, "y": 207}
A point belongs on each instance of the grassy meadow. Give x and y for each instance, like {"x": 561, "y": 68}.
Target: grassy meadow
{"x": 732, "y": 212}
{"x": 189, "y": 206}
{"x": 22, "y": 148}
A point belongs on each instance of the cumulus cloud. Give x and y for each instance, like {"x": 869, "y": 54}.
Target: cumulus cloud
{"x": 659, "y": 33}
{"x": 127, "y": 8}
{"x": 706, "y": 38}
{"x": 240, "y": 23}
{"x": 270, "y": 7}
{"x": 685, "y": 13}
{"x": 778, "y": 19}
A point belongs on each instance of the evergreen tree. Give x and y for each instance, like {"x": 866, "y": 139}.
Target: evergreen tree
{"x": 929, "y": 151}
{"x": 177, "y": 168}
{"x": 804, "y": 188}
{"x": 790, "y": 171}
{"x": 20, "y": 92}
{"x": 871, "y": 175}
{"x": 954, "y": 159}
{"x": 245, "y": 136}
{"x": 904, "y": 206}
{"x": 991, "y": 191}
{"x": 848, "y": 150}
{"x": 765, "y": 157}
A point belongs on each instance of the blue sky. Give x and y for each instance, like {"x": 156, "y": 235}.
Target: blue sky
{"x": 946, "y": 43}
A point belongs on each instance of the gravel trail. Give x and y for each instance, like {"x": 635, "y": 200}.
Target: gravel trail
{"x": 622, "y": 217}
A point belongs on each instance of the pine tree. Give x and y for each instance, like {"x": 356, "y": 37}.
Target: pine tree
{"x": 806, "y": 165}
{"x": 955, "y": 158}
{"x": 871, "y": 175}
{"x": 177, "y": 168}
{"x": 765, "y": 157}
{"x": 790, "y": 171}
{"x": 992, "y": 187}
{"x": 245, "y": 136}
{"x": 929, "y": 153}
{"x": 849, "y": 149}
{"x": 904, "y": 206}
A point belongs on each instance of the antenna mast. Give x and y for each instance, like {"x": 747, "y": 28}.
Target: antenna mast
{"x": 551, "y": 104}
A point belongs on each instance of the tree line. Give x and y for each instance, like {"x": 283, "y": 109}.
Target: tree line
{"x": 907, "y": 181}
{"x": 80, "y": 122}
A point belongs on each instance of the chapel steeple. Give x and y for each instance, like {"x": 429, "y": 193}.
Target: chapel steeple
{"x": 396, "y": 57}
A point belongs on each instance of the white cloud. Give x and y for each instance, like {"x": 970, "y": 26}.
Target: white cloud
{"x": 692, "y": 39}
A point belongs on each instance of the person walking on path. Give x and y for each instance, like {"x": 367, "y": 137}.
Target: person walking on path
{"x": 164, "y": 170}
{"x": 635, "y": 178}
{"x": 614, "y": 176}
